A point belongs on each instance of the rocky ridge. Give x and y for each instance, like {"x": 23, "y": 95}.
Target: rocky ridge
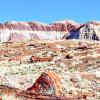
{"x": 22, "y": 31}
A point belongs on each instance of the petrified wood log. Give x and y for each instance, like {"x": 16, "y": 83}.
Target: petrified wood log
{"x": 48, "y": 83}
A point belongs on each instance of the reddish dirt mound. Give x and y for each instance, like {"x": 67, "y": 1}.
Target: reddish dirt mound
{"x": 48, "y": 83}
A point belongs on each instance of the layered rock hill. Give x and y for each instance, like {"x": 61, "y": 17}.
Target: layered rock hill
{"x": 67, "y": 29}
{"x": 19, "y": 31}
{"x": 89, "y": 31}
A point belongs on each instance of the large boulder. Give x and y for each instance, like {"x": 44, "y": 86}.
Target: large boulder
{"x": 48, "y": 83}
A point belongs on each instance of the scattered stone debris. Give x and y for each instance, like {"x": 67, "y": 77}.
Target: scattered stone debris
{"x": 9, "y": 93}
{"x": 82, "y": 47}
{"x": 69, "y": 56}
{"x": 40, "y": 59}
{"x": 76, "y": 64}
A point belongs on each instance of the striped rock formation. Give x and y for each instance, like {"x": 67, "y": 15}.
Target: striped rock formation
{"x": 89, "y": 31}
{"x": 20, "y": 31}
{"x": 23, "y": 31}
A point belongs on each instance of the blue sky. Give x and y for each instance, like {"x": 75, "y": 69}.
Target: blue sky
{"x": 48, "y": 11}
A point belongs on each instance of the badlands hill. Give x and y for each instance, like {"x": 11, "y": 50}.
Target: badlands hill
{"x": 18, "y": 31}
{"x": 67, "y": 29}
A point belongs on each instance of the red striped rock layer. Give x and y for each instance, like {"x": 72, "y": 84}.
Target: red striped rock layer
{"x": 18, "y": 31}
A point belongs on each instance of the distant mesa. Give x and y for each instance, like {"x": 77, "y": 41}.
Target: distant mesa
{"x": 67, "y": 29}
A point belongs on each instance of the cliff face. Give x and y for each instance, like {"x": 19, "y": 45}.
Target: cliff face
{"x": 89, "y": 31}
{"x": 18, "y": 31}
